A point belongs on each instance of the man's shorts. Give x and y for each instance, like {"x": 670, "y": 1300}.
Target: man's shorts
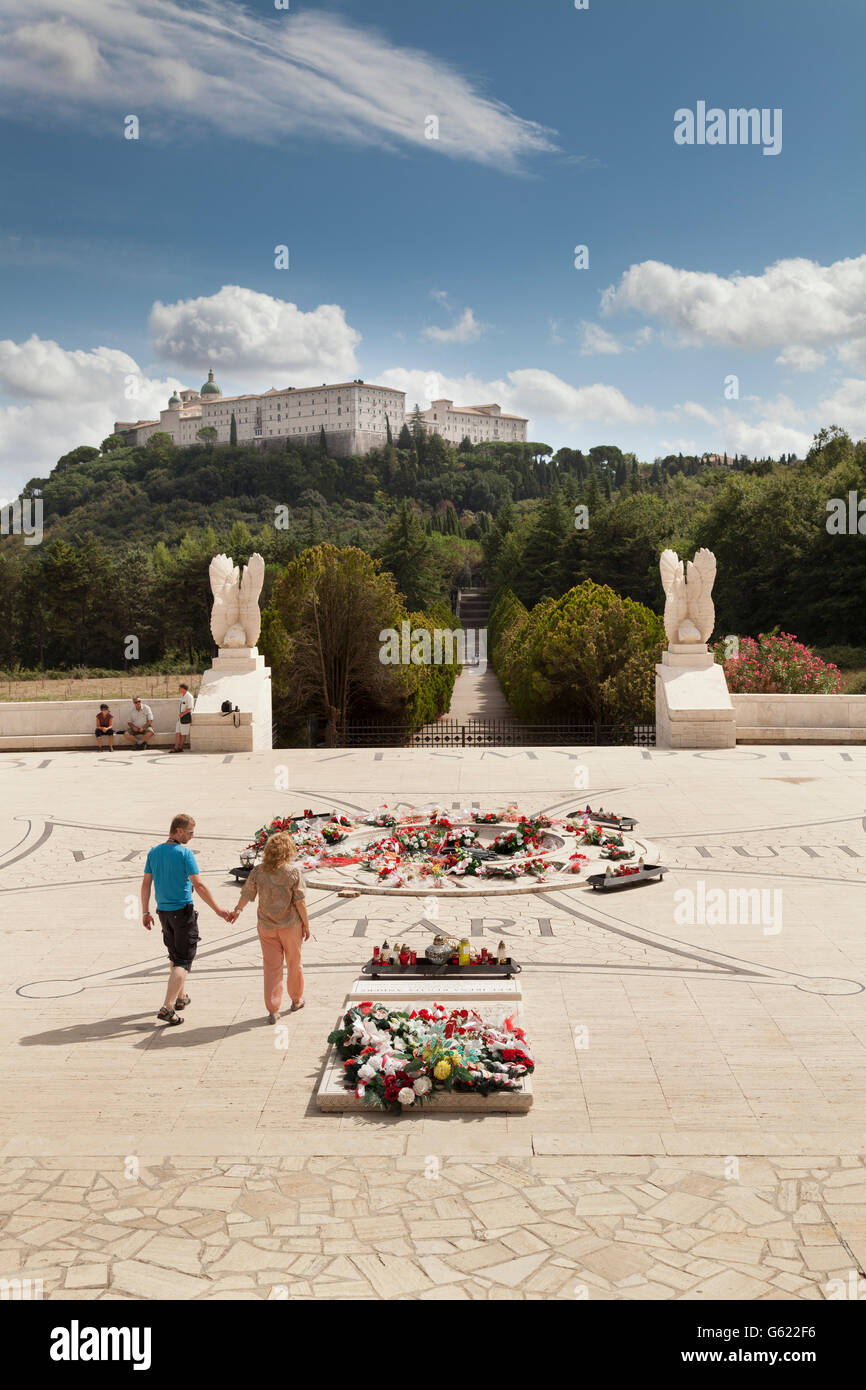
{"x": 180, "y": 934}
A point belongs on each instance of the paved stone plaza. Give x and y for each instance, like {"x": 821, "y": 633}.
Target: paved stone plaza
{"x": 698, "y": 1126}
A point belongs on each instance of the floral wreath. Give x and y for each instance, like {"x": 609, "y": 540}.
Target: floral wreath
{"x": 393, "y": 1060}
{"x": 435, "y": 849}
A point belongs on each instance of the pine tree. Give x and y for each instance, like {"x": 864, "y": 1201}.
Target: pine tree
{"x": 543, "y": 554}
{"x": 408, "y": 554}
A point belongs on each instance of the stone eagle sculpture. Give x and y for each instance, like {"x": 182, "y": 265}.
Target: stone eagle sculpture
{"x": 235, "y": 619}
{"x": 689, "y": 612}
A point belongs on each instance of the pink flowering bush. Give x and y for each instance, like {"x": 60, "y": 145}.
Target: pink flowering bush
{"x": 777, "y": 664}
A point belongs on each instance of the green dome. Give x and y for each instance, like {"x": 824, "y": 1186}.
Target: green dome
{"x": 174, "y": 399}
{"x": 210, "y": 387}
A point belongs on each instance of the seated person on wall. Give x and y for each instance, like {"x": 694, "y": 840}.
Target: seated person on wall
{"x": 184, "y": 718}
{"x": 104, "y": 728}
{"x": 139, "y": 728}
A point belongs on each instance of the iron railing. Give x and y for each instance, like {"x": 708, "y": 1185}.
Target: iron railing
{"x": 494, "y": 733}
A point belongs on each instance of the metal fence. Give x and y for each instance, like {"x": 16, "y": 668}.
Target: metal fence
{"x": 494, "y": 733}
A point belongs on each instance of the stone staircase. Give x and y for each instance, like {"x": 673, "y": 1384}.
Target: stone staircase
{"x": 473, "y": 607}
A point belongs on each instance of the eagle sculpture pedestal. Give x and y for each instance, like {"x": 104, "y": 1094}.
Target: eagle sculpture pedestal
{"x": 238, "y": 676}
{"x": 693, "y": 706}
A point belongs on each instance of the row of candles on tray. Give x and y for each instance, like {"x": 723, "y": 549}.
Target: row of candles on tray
{"x": 464, "y": 954}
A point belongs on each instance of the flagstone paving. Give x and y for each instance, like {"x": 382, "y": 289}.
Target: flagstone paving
{"x": 340, "y": 1228}
{"x": 698, "y": 1127}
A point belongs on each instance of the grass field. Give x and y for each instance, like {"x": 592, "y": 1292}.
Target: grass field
{"x": 118, "y": 687}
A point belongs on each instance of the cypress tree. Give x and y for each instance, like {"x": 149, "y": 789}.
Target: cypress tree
{"x": 233, "y": 430}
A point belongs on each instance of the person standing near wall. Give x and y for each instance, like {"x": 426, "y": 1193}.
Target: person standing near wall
{"x": 184, "y": 718}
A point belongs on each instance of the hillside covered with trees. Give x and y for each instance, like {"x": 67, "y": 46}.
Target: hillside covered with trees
{"x": 129, "y": 532}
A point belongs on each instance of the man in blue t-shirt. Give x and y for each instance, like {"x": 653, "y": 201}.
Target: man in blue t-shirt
{"x": 172, "y": 870}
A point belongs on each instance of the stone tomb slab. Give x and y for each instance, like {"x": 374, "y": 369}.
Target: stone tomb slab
{"x": 332, "y": 1095}
{"x": 428, "y": 991}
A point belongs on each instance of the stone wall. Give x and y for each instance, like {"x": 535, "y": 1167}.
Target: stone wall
{"x": 30, "y": 725}
{"x": 340, "y": 444}
{"x": 800, "y": 718}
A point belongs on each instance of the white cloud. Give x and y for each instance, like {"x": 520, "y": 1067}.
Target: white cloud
{"x": 63, "y": 398}
{"x": 846, "y": 407}
{"x": 529, "y": 391}
{"x": 853, "y": 353}
{"x": 249, "y": 336}
{"x": 757, "y": 428}
{"x": 543, "y": 393}
{"x": 799, "y": 358}
{"x": 767, "y": 438}
{"x": 794, "y": 300}
{"x": 60, "y": 48}
{"x": 597, "y": 341}
{"x": 187, "y": 70}
{"x": 692, "y": 410}
{"x": 466, "y": 329}
{"x": 426, "y": 386}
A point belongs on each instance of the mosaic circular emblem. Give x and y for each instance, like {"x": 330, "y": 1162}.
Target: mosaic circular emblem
{"x": 429, "y": 850}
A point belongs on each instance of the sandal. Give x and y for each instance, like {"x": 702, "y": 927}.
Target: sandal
{"x": 169, "y": 1016}
{"x": 182, "y": 1001}
{"x": 299, "y": 1005}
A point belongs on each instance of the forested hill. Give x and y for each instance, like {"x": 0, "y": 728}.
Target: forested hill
{"x": 126, "y": 493}
{"x": 125, "y": 527}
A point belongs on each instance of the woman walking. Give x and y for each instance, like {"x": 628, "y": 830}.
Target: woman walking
{"x": 283, "y": 922}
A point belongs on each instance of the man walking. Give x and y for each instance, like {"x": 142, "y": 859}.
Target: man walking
{"x": 173, "y": 871}
{"x": 139, "y": 727}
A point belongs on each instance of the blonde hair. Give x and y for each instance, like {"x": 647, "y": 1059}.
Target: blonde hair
{"x": 278, "y": 850}
{"x": 181, "y": 822}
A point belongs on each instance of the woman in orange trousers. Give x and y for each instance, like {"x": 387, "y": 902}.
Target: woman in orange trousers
{"x": 282, "y": 920}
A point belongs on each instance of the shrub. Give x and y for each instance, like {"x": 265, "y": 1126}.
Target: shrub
{"x": 847, "y": 658}
{"x": 589, "y": 655}
{"x": 777, "y": 664}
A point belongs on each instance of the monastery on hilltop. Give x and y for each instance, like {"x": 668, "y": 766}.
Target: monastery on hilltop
{"x": 355, "y": 416}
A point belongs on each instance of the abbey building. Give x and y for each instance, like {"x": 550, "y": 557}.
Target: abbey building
{"x": 355, "y": 415}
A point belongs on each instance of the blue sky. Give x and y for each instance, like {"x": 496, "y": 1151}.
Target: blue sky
{"x": 448, "y": 264}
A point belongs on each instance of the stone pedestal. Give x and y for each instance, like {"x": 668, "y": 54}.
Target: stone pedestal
{"x": 693, "y": 706}
{"x": 238, "y": 674}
